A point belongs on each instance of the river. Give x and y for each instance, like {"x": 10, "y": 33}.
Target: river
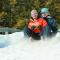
{"x": 16, "y": 47}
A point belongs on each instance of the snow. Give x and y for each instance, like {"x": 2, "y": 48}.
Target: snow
{"x": 16, "y": 47}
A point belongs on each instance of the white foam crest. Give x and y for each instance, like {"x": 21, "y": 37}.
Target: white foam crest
{"x": 22, "y": 48}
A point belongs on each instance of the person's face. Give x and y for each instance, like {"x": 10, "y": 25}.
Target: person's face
{"x": 34, "y": 15}
{"x": 44, "y": 14}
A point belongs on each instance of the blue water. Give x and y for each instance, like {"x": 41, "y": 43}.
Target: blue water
{"x": 8, "y": 39}
{"x": 4, "y": 41}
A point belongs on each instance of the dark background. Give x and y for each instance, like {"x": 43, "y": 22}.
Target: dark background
{"x": 14, "y": 13}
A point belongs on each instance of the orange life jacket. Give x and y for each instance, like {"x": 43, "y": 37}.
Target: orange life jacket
{"x": 38, "y": 25}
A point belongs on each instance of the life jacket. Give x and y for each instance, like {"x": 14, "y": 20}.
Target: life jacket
{"x": 37, "y": 26}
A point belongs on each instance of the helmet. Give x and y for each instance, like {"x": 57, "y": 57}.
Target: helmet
{"x": 44, "y": 10}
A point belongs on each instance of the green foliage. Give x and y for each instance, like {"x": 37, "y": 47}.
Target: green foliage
{"x": 11, "y": 10}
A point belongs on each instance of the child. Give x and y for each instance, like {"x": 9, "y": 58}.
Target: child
{"x": 50, "y": 20}
{"x": 35, "y": 26}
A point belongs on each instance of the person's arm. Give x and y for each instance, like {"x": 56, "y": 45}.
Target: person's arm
{"x": 53, "y": 25}
{"x": 27, "y": 31}
{"x": 45, "y": 29}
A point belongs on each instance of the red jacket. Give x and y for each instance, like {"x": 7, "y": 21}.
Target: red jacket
{"x": 39, "y": 22}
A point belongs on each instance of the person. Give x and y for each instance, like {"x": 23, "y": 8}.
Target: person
{"x": 35, "y": 26}
{"x": 50, "y": 20}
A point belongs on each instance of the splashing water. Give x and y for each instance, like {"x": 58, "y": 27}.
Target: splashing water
{"x": 20, "y": 48}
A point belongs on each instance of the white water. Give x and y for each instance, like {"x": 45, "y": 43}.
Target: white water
{"x": 19, "y": 48}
